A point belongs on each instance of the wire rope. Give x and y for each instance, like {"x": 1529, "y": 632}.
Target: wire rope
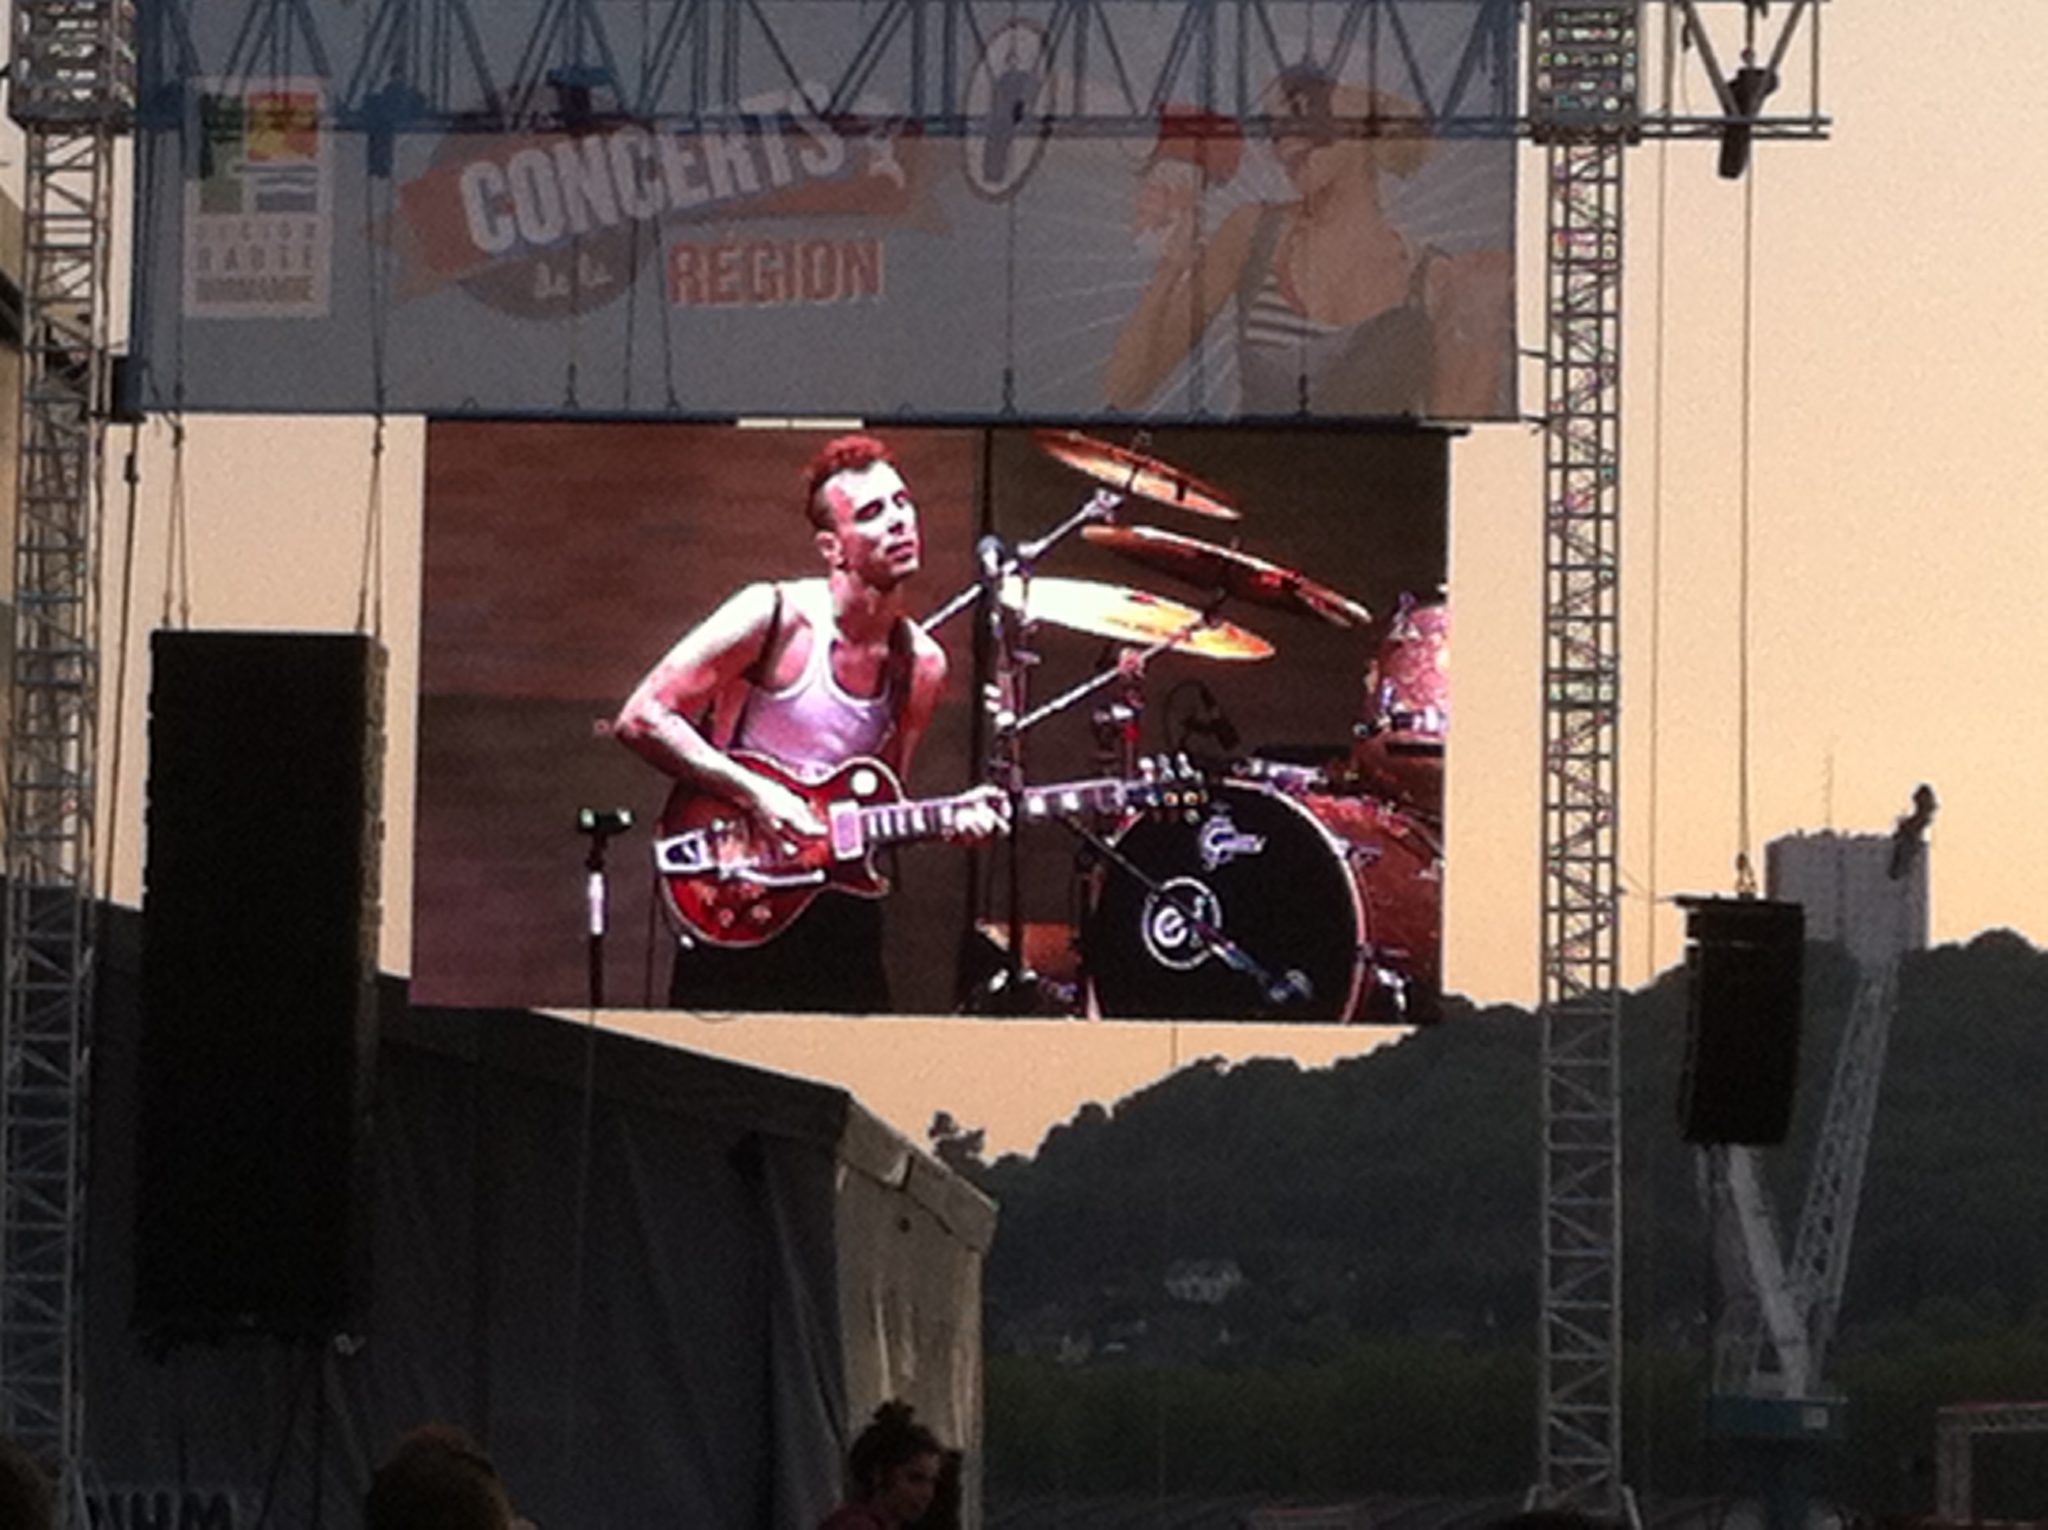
{"x": 131, "y": 473}
{"x": 1660, "y": 310}
{"x": 370, "y": 577}
{"x": 1745, "y": 866}
{"x": 177, "y": 601}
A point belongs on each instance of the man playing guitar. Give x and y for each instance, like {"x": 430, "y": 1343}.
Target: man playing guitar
{"x": 812, "y": 673}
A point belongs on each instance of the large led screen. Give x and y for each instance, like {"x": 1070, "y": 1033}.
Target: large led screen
{"x": 1202, "y": 675}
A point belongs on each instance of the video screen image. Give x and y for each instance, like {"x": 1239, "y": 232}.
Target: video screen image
{"x": 976, "y": 721}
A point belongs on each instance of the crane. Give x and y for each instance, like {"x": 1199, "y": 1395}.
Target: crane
{"x": 1770, "y": 1400}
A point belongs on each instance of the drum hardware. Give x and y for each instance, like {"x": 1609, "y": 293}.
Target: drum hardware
{"x": 1391, "y": 720}
{"x": 1206, "y": 720}
{"x": 1387, "y": 1001}
{"x": 1127, "y": 615}
{"x": 1282, "y": 774}
{"x": 1119, "y": 721}
{"x": 1121, "y": 474}
{"x": 1047, "y": 982}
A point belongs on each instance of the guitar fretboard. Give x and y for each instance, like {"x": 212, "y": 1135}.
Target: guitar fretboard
{"x": 893, "y": 821}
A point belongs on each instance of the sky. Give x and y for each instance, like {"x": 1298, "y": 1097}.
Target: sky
{"x": 1895, "y": 591}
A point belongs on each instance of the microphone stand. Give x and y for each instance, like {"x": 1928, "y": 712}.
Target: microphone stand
{"x": 1100, "y": 506}
{"x": 1135, "y": 665}
{"x": 1005, "y": 697}
{"x": 600, "y": 824}
{"x": 1004, "y": 764}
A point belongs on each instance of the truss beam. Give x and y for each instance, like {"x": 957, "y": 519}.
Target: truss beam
{"x": 454, "y": 65}
{"x": 72, "y": 92}
{"x": 1579, "y": 1447}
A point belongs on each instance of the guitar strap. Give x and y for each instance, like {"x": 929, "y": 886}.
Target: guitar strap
{"x": 902, "y": 651}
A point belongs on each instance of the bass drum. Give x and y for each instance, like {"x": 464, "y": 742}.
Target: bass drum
{"x": 1338, "y": 900}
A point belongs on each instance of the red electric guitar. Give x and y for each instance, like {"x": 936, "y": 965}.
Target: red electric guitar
{"x": 728, "y": 881}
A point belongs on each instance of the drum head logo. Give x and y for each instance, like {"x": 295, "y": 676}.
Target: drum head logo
{"x": 1171, "y": 919}
{"x": 1221, "y": 842}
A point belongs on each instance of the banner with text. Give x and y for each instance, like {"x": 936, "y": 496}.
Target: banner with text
{"x": 954, "y": 210}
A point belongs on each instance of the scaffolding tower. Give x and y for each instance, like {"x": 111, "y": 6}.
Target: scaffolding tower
{"x": 1580, "y": 1446}
{"x": 73, "y": 92}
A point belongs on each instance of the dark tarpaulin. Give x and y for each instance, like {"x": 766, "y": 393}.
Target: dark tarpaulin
{"x": 763, "y": 1261}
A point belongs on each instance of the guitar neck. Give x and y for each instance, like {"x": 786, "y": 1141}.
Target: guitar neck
{"x": 935, "y": 817}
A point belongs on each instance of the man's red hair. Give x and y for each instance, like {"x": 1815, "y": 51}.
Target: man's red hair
{"x": 842, "y": 454}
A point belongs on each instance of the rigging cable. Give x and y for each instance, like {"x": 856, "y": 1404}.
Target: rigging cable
{"x": 1745, "y": 865}
{"x": 131, "y": 473}
{"x": 370, "y": 579}
{"x": 177, "y": 605}
{"x": 1659, "y": 331}
{"x": 1657, "y": 338}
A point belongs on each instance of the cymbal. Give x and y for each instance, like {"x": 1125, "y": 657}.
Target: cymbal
{"x": 1131, "y": 616}
{"x": 1134, "y": 473}
{"x": 1225, "y": 568}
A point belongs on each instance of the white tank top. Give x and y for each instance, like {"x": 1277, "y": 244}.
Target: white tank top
{"x": 815, "y": 725}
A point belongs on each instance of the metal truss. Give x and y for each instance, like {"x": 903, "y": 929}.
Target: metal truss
{"x": 1580, "y": 1427}
{"x": 1955, "y": 1428}
{"x": 72, "y": 68}
{"x": 449, "y": 65}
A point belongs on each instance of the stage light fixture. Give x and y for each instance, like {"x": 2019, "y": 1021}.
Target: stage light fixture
{"x": 1746, "y": 92}
{"x": 1585, "y": 68}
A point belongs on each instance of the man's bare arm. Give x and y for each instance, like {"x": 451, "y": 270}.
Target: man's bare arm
{"x": 986, "y": 814}
{"x": 656, "y": 721}
{"x": 927, "y": 682}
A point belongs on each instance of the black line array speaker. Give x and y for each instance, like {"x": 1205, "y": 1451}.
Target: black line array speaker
{"x": 259, "y": 969}
{"x": 1744, "y": 962}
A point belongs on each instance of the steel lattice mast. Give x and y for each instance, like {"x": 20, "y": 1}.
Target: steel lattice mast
{"x": 1580, "y": 1444}
{"x": 73, "y": 72}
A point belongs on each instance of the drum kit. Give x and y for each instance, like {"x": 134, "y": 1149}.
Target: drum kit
{"x": 1292, "y": 890}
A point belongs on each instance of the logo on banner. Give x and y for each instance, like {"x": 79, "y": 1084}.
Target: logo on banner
{"x": 1009, "y": 109}
{"x": 259, "y": 214}
{"x": 546, "y": 224}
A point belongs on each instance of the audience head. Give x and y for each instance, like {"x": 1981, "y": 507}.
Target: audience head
{"x": 895, "y": 1464}
{"x": 27, "y": 1497}
{"x": 437, "y": 1478}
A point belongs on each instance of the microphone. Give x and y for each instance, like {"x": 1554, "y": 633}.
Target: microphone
{"x": 1293, "y": 987}
{"x": 989, "y": 558}
{"x": 603, "y": 821}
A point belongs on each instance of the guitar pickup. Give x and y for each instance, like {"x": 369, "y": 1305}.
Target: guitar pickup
{"x": 846, "y": 831}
